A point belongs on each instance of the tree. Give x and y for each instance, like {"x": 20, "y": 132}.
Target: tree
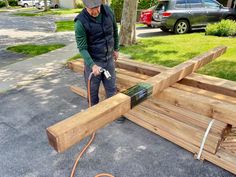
{"x": 128, "y": 21}
{"x": 108, "y": 2}
{"x": 46, "y": 8}
{"x": 7, "y": 4}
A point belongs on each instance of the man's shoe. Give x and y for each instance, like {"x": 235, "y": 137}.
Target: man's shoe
{"x": 120, "y": 120}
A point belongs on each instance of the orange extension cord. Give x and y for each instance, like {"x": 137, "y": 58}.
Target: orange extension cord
{"x": 90, "y": 141}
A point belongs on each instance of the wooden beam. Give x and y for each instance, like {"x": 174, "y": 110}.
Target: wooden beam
{"x": 72, "y": 130}
{"x": 205, "y": 82}
{"x": 69, "y": 131}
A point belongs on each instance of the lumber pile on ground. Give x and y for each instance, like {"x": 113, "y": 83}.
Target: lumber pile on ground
{"x": 182, "y": 112}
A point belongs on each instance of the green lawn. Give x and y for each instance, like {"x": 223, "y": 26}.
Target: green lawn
{"x": 74, "y": 57}
{"x": 35, "y": 12}
{"x": 172, "y": 50}
{"x": 34, "y": 50}
{"x": 69, "y": 25}
{"x": 65, "y": 26}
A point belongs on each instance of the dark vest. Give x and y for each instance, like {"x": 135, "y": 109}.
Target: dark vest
{"x": 100, "y": 38}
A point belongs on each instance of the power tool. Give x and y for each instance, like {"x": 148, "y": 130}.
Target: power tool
{"x": 105, "y": 72}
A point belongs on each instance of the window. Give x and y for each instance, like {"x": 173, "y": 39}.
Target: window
{"x": 195, "y": 3}
{"x": 211, "y": 4}
{"x": 163, "y": 6}
{"x": 180, "y": 4}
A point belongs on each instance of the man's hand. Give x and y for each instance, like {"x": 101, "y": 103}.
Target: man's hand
{"x": 116, "y": 55}
{"x": 96, "y": 70}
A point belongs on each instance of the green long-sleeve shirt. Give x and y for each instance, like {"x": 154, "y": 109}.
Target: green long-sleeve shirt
{"x": 81, "y": 39}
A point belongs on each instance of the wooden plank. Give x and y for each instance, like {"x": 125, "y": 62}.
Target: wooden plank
{"x": 207, "y": 93}
{"x": 222, "y": 158}
{"x": 185, "y": 116}
{"x": 184, "y": 131}
{"x": 80, "y": 91}
{"x": 215, "y": 109}
{"x": 72, "y": 130}
{"x": 209, "y": 83}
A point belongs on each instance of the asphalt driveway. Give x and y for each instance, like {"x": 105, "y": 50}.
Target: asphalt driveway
{"x": 15, "y": 30}
{"x": 125, "y": 150}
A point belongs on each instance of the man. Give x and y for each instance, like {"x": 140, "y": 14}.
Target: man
{"x": 97, "y": 39}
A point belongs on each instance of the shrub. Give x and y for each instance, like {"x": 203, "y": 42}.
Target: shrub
{"x": 145, "y": 4}
{"x": 79, "y": 4}
{"x": 223, "y": 28}
{"x": 2, "y": 4}
{"x": 117, "y": 6}
{"x": 12, "y": 2}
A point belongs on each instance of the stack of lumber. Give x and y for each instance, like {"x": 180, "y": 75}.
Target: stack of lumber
{"x": 182, "y": 112}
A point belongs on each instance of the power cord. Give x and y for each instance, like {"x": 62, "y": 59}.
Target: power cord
{"x": 91, "y": 139}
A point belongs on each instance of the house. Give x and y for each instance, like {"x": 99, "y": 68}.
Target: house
{"x": 68, "y": 4}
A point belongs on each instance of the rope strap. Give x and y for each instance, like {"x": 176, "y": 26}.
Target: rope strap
{"x": 204, "y": 139}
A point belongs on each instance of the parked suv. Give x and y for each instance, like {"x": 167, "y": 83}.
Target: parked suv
{"x": 180, "y": 16}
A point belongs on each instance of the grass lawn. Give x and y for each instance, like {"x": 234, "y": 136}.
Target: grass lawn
{"x": 35, "y": 12}
{"x": 74, "y": 57}
{"x": 69, "y": 25}
{"x": 65, "y": 26}
{"x": 34, "y": 50}
{"x": 174, "y": 49}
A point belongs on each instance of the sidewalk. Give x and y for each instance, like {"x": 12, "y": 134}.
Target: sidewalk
{"x": 26, "y": 71}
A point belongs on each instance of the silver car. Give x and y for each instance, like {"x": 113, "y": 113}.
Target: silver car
{"x": 180, "y": 16}
{"x": 51, "y": 4}
{"x": 27, "y": 3}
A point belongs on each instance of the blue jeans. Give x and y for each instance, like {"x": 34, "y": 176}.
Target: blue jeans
{"x": 109, "y": 85}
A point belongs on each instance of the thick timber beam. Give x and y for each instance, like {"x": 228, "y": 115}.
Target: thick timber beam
{"x": 72, "y": 130}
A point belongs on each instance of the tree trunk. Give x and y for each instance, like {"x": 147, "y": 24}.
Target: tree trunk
{"x": 128, "y": 21}
{"x": 46, "y": 8}
{"x": 7, "y": 4}
{"x": 107, "y": 2}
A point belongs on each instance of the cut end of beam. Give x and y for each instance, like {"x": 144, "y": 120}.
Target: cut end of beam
{"x": 52, "y": 140}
